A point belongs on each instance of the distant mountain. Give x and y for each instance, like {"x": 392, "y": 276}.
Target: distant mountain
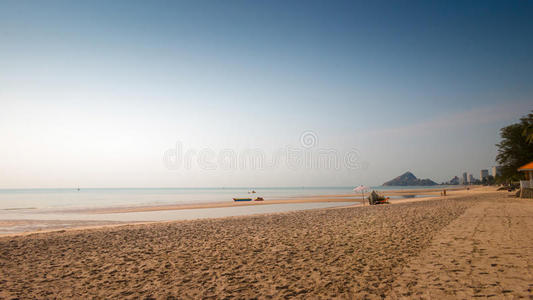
{"x": 408, "y": 178}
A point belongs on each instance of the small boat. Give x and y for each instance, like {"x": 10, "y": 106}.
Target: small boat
{"x": 259, "y": 199}
{"x": 242, "y": 199}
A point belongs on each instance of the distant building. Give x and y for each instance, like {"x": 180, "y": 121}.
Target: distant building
{"x": 496, "y": 171}
{"x": 483, "y": 174}
{"x": 471, "y": 178}
{"x": 465, "y": 178}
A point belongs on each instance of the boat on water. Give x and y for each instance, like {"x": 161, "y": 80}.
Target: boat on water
{"x": 242, "y": 199}
{"x": 248, "y": 199}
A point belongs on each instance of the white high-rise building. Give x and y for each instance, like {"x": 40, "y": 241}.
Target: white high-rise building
{"x": 465, "y": 178}
{"x": 470, "y": 178}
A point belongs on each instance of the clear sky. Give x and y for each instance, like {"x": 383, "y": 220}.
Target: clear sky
{"x": 93, "y": 93}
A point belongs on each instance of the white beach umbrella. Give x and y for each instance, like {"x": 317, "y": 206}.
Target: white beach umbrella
{"x": 362, "y": 189}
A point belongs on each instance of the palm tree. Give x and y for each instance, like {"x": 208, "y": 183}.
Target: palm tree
{"x": 528, "y": 130}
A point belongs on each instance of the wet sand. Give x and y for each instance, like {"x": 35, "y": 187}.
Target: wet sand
{"x": 314, "y": 199}
{"x": 432, "y": 248}
{"x": 26, "y": 227}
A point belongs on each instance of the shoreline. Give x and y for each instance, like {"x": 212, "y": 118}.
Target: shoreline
{"x": 298, "y": 199}
{"x": 85, "y": 225}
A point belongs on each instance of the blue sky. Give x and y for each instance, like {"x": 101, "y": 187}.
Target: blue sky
{"x": 94, "y": 93}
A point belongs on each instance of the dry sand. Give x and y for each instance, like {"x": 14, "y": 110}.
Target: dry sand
{"x": 469, "y": 244}
{"x": 487, "y": 252}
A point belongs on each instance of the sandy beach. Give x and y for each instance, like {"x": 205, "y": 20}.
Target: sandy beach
{"x": 266, "y": 150}
{"x": 472, "y": 243}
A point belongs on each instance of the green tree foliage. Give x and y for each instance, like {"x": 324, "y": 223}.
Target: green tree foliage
{"x": 516, "y": 147}
{"x": 488, "y": 180}
{"x": 528, "y": 129}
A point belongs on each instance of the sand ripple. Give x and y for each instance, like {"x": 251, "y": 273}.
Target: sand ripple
{"x": 327, "y": 253}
